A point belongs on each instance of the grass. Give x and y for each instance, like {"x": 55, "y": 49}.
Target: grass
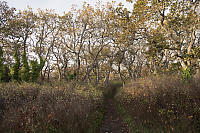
{"x": 55, "y": 108}
{"x": 96, "y": 123}
{"x": 127, "y": 119}
{"x": 161, "y": 104}
{"x": 112, "y": 89}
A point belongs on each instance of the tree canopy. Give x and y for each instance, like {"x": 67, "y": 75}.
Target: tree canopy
{"x": 96, "y": 44}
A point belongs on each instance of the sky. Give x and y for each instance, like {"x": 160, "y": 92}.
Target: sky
{"x": 60, "y": 6}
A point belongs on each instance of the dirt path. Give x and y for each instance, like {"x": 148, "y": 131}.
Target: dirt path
{"x": 113, "y": 122}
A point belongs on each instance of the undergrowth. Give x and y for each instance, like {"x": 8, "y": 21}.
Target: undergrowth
{"x": 127, "y": 119}
{"x": 162, "y": 104}
{"x": 55, "y": 108}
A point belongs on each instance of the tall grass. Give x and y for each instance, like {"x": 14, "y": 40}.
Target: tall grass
{"x": 52, "y": 108}
{"x": 163, "y": 104}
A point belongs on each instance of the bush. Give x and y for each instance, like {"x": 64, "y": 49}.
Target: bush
{"x": 164, "y": 103}
{"x": 25, "y": 70}
{"x": 4, "y": 70}
{"x": 16, "y": 67}
{"x": 57, "y": 108}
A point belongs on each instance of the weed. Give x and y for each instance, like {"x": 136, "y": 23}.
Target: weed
{"x": 55, "y": 108}
{"x": 162, "y": 104}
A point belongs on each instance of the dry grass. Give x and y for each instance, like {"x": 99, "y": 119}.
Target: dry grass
{"x": 163, "y": 104}
{"x": 48, "y": 108}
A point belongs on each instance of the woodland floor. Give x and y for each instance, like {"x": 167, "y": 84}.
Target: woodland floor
{"x": 113, "y": 122}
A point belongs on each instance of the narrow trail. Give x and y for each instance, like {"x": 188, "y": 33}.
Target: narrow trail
{"x": 113, "y": 122}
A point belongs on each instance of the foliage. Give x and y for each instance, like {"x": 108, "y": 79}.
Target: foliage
{"x": 187, "y": 74}
{"x": 96, "y": 45}
{"x": 4, "y": 69}
{"x": 97, "y": 121}
{"x": 162, "y": 103}
{"x": 35, "y": 69}
{"x": 16, "y": 67}
{"x": 6, "y": 73}
{"x": 58, "y": 107}
{"x": 25, "y": 70}
{"x": 71, "y": 76}
{"x": 127, "y": 118}
{"x": 101, "y": 41}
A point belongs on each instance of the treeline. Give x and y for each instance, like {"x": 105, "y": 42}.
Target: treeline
{"x": 19, "y": 71}
{"x": 96, "y": 44}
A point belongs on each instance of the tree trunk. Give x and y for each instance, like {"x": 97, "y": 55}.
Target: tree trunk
{"x": 87, "y": 74}
{"x": 78, "y": 69}
{"x": 48, "y": 74}
{"x": 59, "y": 73}
{"x": 97, "y": 75}
{"x": 65, "y": 71}
{"x": 107, "y": 78}
{"x": 130, "y": 74}
{"x": 120, "y": 74}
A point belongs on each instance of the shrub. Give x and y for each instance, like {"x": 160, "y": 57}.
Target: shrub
{"x": 36, "y": 68}
{"x": 163, "y": 103}
{"x": 16, "y": 67}
{"x": 187, "y": 74}
{"x": 4, "y": 70}
{"x": 29, "y": 107}
{"x": 25, "y": 70}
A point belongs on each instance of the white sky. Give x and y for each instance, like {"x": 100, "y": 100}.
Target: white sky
{"x": 60, "y": 6}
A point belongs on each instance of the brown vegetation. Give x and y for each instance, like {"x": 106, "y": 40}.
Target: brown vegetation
{"x": 163, "y": 103}
{"x": 96, "y": 45}
{"x": 44, "y": 108}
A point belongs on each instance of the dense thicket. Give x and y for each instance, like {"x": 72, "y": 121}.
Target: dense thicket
{"x": 95, "y": 44}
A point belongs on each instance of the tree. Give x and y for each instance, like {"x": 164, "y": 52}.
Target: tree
{"x": 25, "y": 70}
{"x": 180, "y": 26}
{"x": 36, "y": 68}
{"x": 1, "y": 64}
{"x": 16, "y": 67}
{"x": 46, "y": 30}
{"x": 94, "y": 43}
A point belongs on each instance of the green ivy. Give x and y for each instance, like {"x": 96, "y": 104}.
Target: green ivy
{"x": 71, "y": 76}
{"x": 186, "y": 74}
{"x": 5, "y": 74}
{"x": 16, "y": 67}
{"x": 36, "y": 68}
{"x": 4, "y": 70}
{"x": 25, "y": 70}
